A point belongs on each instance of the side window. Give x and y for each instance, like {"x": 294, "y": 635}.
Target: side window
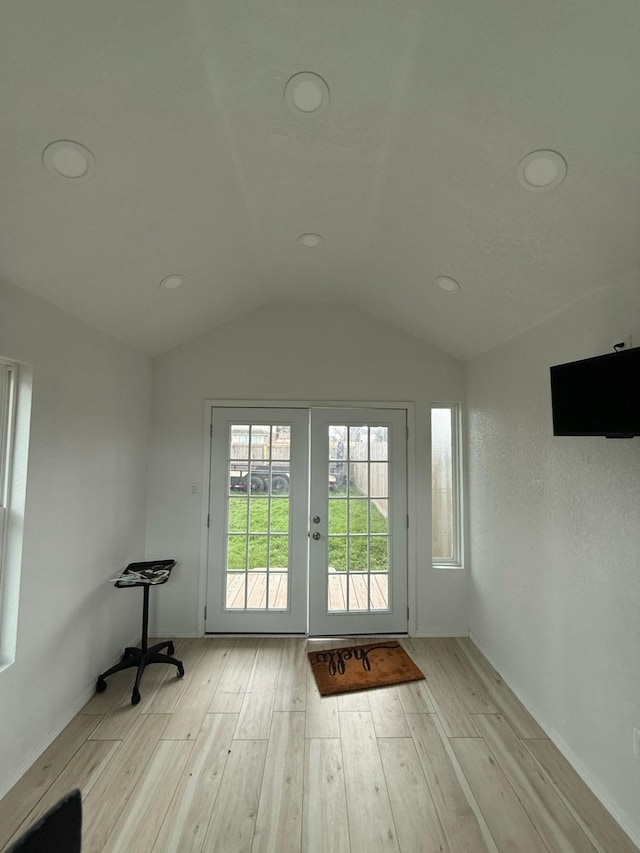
{"x": 446, "y": 485}
{"x": 7, "y": 398}
{"x": 15, "y": 416}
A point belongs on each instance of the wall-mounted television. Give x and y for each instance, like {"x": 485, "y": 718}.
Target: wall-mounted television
{"x": 598, "y": 396}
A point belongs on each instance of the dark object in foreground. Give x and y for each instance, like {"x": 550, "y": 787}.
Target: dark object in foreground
{"x": 58, "y": 831}
{"x": 147, "y": 574}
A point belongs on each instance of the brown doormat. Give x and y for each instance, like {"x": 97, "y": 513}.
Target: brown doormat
{"x": 361, "y": 667}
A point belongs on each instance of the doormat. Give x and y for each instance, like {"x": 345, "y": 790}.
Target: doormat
{"x": 362, "y": 667}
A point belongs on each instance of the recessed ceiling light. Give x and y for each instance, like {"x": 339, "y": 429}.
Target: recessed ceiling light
{"x": 310, "y": 240}
{"x": 172, "y": 281}
{"x": 68, "y": 159}
{"x": 449, "y": 285}
{"x": 307, "y": 93}
{"x": 542, "y": 170}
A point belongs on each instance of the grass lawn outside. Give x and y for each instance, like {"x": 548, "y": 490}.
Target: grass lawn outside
{"x": 252, "y": 517}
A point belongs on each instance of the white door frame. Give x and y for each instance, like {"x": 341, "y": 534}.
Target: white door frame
{"x": 309, "y": 404}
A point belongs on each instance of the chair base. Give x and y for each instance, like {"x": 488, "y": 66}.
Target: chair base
{"x": 139, "y": 659}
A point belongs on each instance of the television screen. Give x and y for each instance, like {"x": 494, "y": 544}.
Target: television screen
{"x": 597, "y": 396}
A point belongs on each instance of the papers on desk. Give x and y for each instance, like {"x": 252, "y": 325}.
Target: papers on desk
{"x": 152, "y": 575}
{"x": 128, "y": 577}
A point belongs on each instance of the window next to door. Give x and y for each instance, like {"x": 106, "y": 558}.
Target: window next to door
{"x": 446, "y": 485}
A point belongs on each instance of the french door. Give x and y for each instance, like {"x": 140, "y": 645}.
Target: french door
{"x": 307, "y": 528}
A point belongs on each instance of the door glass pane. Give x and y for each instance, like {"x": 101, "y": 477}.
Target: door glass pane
{"x": 281, "y": 445}
{"x": 338, "y": 478}
{"x": 379, "y": 443}
{"x": 260, "y": 440}
{"x": 279, "y": 479}
{"x": 358, "y": 554}
{"x": 257, "y": 590}
{"x": 278, "y": 552}
{"x": 235, "y": 590}
{"x": 240, "y": 442}
{"x": 379, "y": 592}
{"x": 238, "y": 508}
{"x": 278, "y": 590}
{"x": 379, "y": 479}
{"x": 237, "y": 553}
{"x": 337, "y": 515}
{"x": 378, "y": 553}
{"x": 359, "y": 478}
{"x": 358, "y": 515}
{"x": 379, "y": 516}
{"x": 279, "y": 520}
{"x": 337, "y": 588}
{"x": 359, "y": 508}
{"x": 258, "y": 478}
{"x": 337, "y": 442}
{"x": 358, "y": 443}
{"x": 258, "y": 517}
{"x": 358, "y": 592}
{"x": 258, "y": 552}
{"x": 338, "y": 553}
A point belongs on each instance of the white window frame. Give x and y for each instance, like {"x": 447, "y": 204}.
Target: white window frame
{"x": 457, "y": 560}
{"x": 15, "y": 417}
{"x": 7, "y": 424}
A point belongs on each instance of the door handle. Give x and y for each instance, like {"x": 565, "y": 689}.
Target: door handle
{"x": 315, "y": 536}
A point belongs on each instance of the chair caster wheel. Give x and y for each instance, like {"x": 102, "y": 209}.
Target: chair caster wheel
{"x": 135, "y": 697}
{"x": 180, "y": 671}
{"x": 101, "y": 685}
{"x": 170, "y": 649}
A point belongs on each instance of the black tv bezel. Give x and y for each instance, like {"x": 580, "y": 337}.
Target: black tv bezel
{"x": 586, "y": 363}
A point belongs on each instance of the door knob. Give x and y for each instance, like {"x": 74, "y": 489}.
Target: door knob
{"x": 315, "y": 536}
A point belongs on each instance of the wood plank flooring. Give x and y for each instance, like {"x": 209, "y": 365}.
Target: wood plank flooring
{"x": 243, "y": 756}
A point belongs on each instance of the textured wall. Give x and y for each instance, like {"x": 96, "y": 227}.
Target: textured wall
{"x": 290, "y": 351}
{"x": 84, "y": 519}
{"x": 555, "y": 539}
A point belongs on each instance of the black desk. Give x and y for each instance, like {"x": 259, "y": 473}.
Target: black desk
{"x": 146, "y": 575}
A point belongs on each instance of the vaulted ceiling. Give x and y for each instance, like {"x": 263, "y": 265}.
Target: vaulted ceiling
{"x": 201, "y": 166}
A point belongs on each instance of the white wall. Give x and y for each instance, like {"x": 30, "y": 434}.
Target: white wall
{"x": 85, "y": 516}
{"x": 555, "y": 533}
{"x": 288, "y": 351}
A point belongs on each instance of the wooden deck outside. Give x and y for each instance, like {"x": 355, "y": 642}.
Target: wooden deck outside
{"x": 275, "y": 597}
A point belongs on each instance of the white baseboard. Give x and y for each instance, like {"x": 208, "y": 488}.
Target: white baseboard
{"x": 462, "y": 633}
{"x": 188, "y": 635}
{"x": 179, "y": 634}
{"x": 574, "y": 760}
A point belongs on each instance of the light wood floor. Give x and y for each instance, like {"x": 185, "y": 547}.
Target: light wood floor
{"x": 244, "y": 755}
